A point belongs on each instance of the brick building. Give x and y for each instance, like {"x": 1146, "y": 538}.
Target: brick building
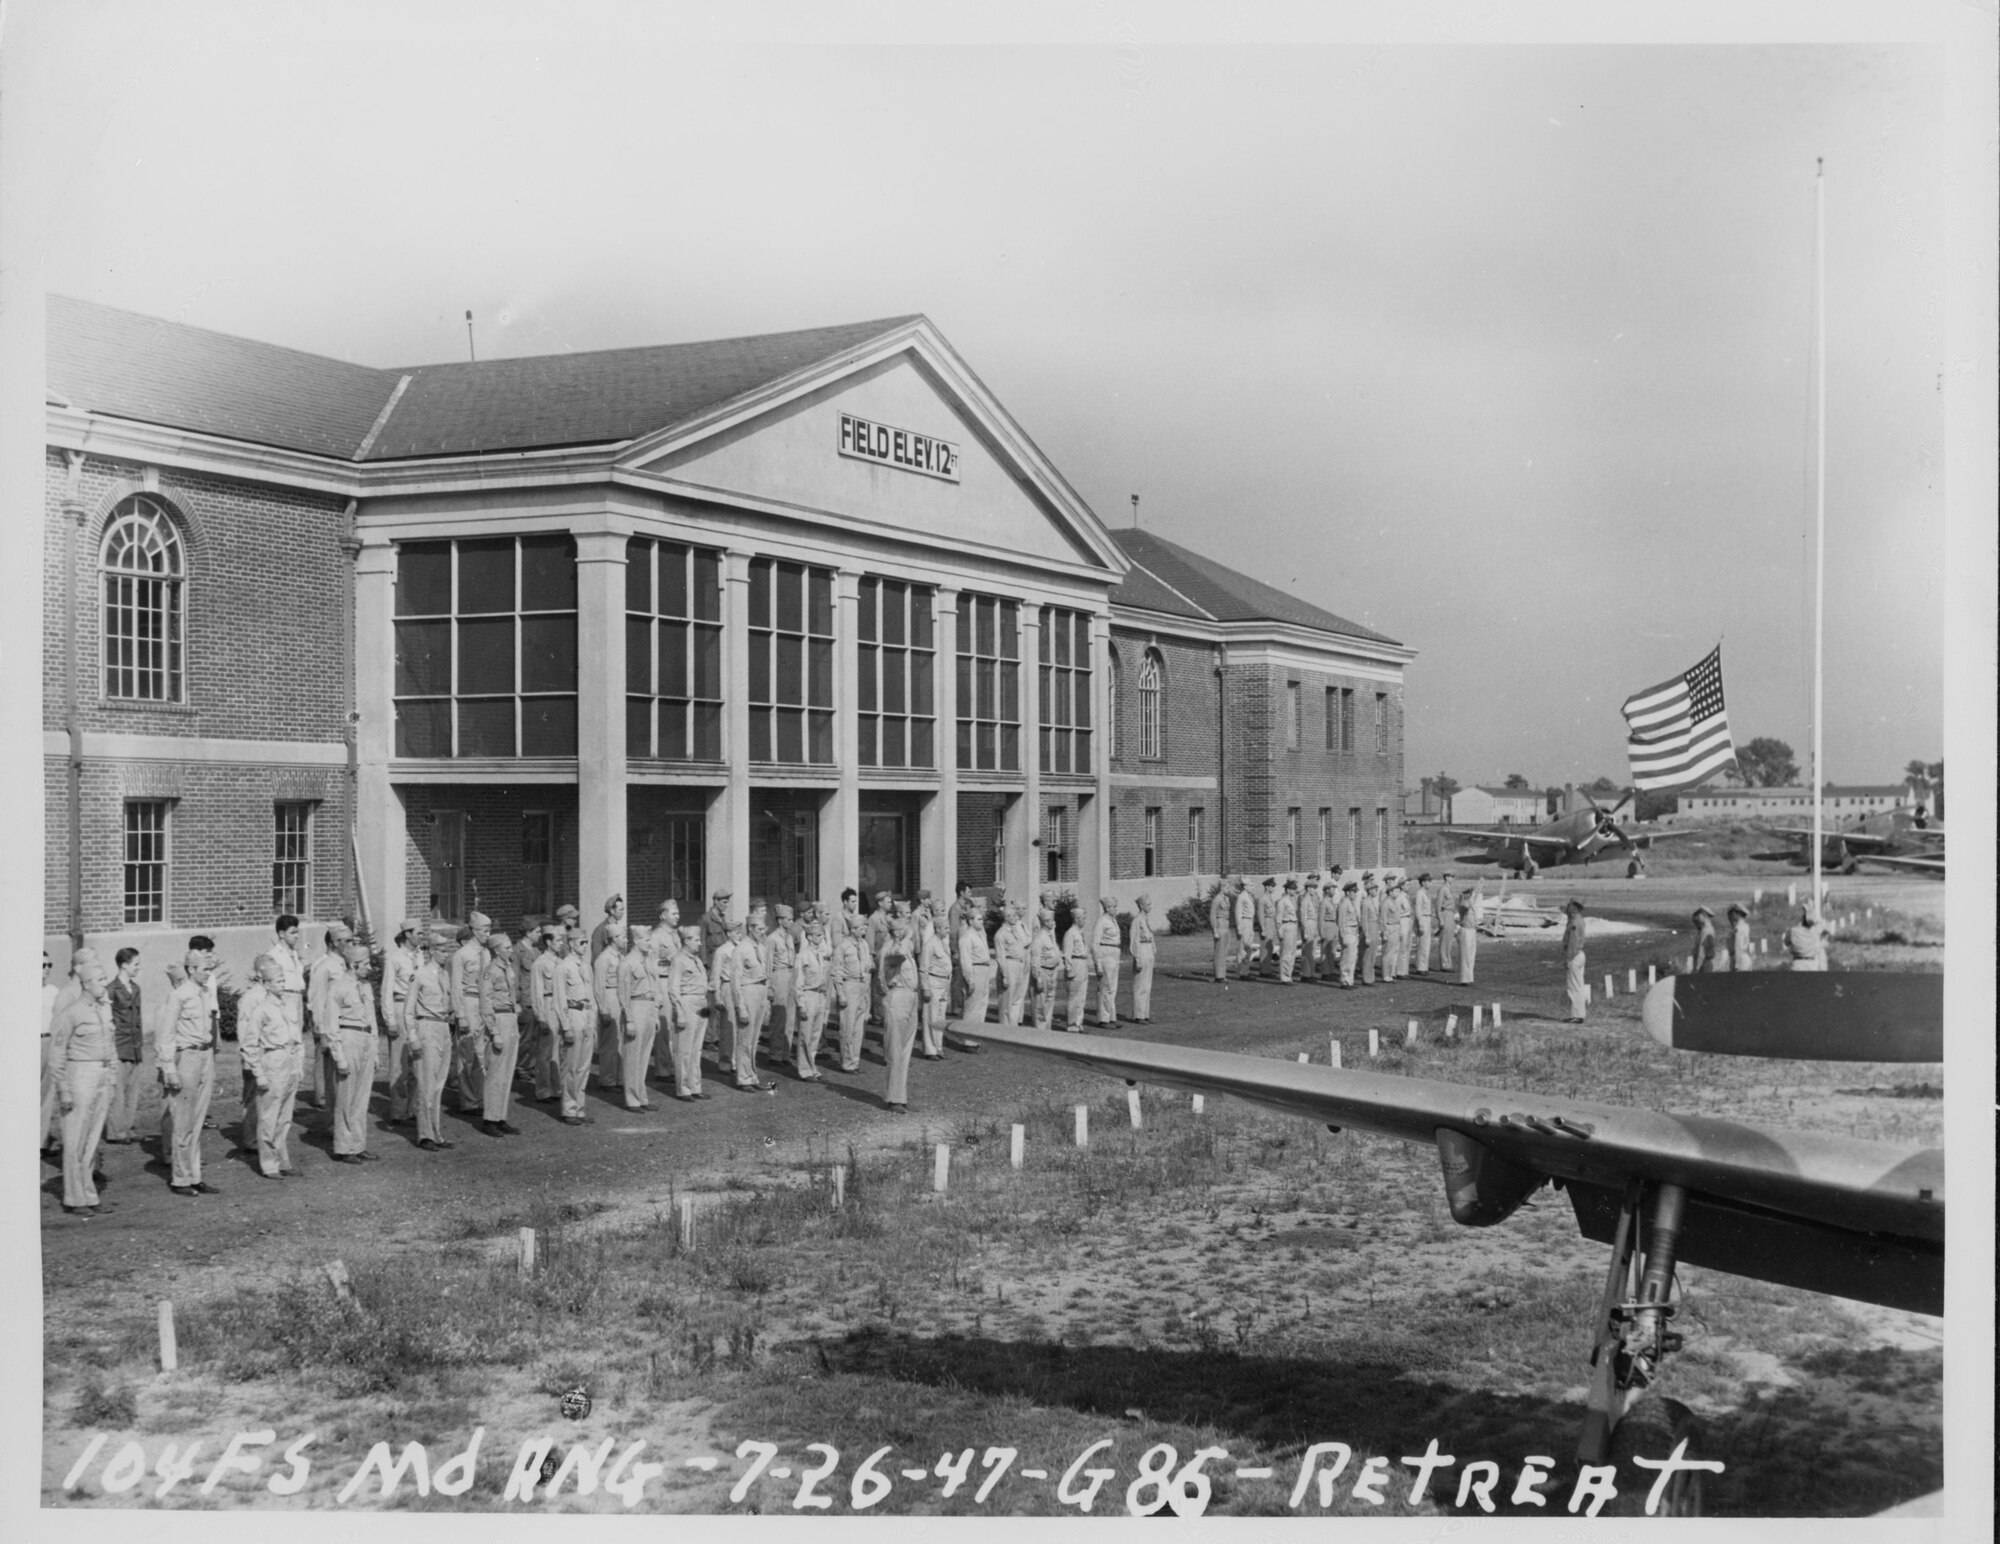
{"x": 782, "y": 613}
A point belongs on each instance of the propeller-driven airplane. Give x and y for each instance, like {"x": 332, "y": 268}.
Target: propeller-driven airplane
{"x": 1898, "y": 838}
{"x": 1578, "y": 836}
{"x": 1831, "y": 1213}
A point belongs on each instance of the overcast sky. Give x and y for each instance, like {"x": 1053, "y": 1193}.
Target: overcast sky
{"x": 1503, "y": 351}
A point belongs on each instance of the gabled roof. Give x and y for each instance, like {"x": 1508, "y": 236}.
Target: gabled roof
{"x": 1167, "y": 577}
{"x": 126, "y": 365}
{"x": 1508, "y": 793}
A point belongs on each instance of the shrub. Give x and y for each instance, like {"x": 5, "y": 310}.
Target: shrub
{"x": 99, "y": 1403}
{"x": 1191, "y": 915}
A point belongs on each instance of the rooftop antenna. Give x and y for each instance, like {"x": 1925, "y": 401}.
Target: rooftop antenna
{"x": 1135, "y": 511}
{"x": 469, "y": 346}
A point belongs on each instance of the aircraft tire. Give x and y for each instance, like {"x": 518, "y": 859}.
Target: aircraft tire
{"x": 1651, "y": 1429}
{"x": 1632, "y": 869}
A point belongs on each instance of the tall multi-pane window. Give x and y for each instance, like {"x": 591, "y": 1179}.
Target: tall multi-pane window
{"x": 1197, "y": 840}
{"x": 143, "y": 571}
{"x": 1381, "y": 836}
{"x": 1325, "y": 838}
{"x": 486, "y": 647}
{"x": 1381, "y": 723}
{"x": 1293, "y": 715}
{"x": 1292, "y": 838}
{"x": 538, "y": 862}
{"x": 989, "y": 684}
{"x": 791, "y": 662}
{"x": 1055, "y": 843}
{"x": 1149, "y": 851}
{"x": 291, "y": 857}
{"x": 1152, "y": 706}
{"x": 1353, "y": 837}
{"x": 1347, "y": 718}
{"x": 1113, "y": 671}
{"x": 896, "y": 652}
{"x": 673, "y": 651}
{"x": 146, "y": 858}
{"x": 1333, "y": 718}
{"x": 1065, "y": 683}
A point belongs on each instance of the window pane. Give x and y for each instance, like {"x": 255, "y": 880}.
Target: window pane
{"x": 920, "y": 743}
{"x": 638, "y": 726}
{"x": 1060, "y": 627}
{"x": 548, "y": 726}
{"x": 1080, "y": 700}
{"x": 760, "y": 667}
{"x": 423, "y": 659}
{"x": 673, "y": 580}
{"x": 1010, "y": 630}
{"x": 1010, "y": 748}
{"x": 964, "y": 743}
{"x": 1047, "y": 750}
{"x": 486, "y": 727}
{"x": 760, "y": 592}
{"x": 984, "y": 752}
{"x": 892, "y": 742}
{"x": 868, "y": 592}
{"x": 866, "y": 667}
{"x": 819, "y": 603}
{"x": 964, "y": 686}
{"x": 893, "y": 681}
{"x": 707, "y": 595}
{"x": 920, "y": 616}
{"x": 895, "y": 609}
{"x": 1044, "y": 643}
{"x": 1010, "y": 693}
{"x": 485, "y": 576}
{"x": 864, "y": 742}
{"x": 708, "y": 663}
{"x": 791, "y": 670}
{"x": 983, "y": 700}
{"x": 982, "y": 636}
{"x": 920, "y": 684}
{"x": 673, "y": 675}
{"x": 423, "y": 579}
{"x": 819, "y": 728}
{"x": 548, "y": 654}
{"x": 638, "y": 654}
{"x": 486, "y": 656}
{"x": 548, "y": 573}
{"x": 423, "y": 728}
{"x": 819, "y": 673}
{"x": 791, "y": 598}
{"x": 638, "y": 574}
{"x": 673, "y": 731}
{"x": 791, "y": 734}
{"x": 1082, "y": 762}
{"x": 760, "y": 734}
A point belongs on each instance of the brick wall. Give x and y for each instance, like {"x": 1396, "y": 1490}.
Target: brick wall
{"x": 1187, "y": 704}
{"x": 980, "y": 818}
{"x": 266, "y": 653}
{"x": 656, "y": 810}
{"x": 1175, "y": 858}
{"x": 492, "y": 845}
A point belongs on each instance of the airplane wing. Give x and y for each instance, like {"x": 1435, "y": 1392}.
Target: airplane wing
{"x": 1827, "y": 1212}
{"x": 1922, "y": 865}
{"x": 1859, "y": 843}
{"x": 1505, "y": 838}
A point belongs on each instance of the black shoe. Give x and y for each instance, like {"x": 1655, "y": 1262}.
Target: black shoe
{"x": 367, "y": 1157}
{"x": 288, "y": 1174}
{"x": 490, "y": 1128}
{"x": 576, "y": 1120}
{"x": 346, "y": 1158}
{"x": 183, "y": 1190}
{"x": 507, "y": 1130}
{"x": 206, "y": 1189}
{"x": 274, "y": 1178}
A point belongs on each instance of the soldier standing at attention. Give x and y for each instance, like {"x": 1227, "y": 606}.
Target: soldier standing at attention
{"x": 1470, "y": 906}
{"x": 1245, "y": 918}
{"x": 1741, "y": 955}
{"x": 185, "y": 1049}
{"x": 499, "y": 1004}
{"x": 638, "y": 1015}
{"x": 737, "y": 981}
{"x": 1309, "y": 927}
{"x": 851, "y": 970}
{"x": 1221, "y": 920}
{"x": 353, "y": 1005}
{"x": 714, "y": 926}
{"x": 1371, "y": 929}
{"x": 878, "y": 940}
{"x": 934, "y": 973}
{"x": 1107, "y": 942}
{"x": 542, "y": 991}
{"x": 898, "y": 975}
{"x": 811, "y": 983}
{"x": 316, "y": 1080}
{"x": 1426, "y": 926}
{"x": 51, "y": 1114}
{"x": 399, "y": 968}
{"x": 254, "y": 997}
{"x": 614, "y": 922}
{"x": 1076, "y": 973}
{"x": 427, "y": 1025}
{"x": 780, "y": 948}
{"x": 467, "y": 962}
{"x": 687, "y": 992}
{"x": 271, "y": 1040}
{"x": 1347, "y": 923}
{"x": 753, "y": 986}
{"x": 527, "y": 953}
{"x": 1406, "y": 930}
{"x": 604, "y": 968}
{"x": 1289, "y": 935}
{"x": 579, "y": 1021}
{"x": 1010, "y": 947}
{"x": 83, "y": 1047}
{"x": 1045, "y": 964}
{"x": 1144, "y": 953}
{"x": 1447, "y": 914}
{"x": 1704, "y": 941}
{"x": 1574, "y": 961}
{"x": 128, "y": 1024}
{"x": 975, "y": 966}
{"x": 954, "y": 924}
{"x": 1267, "y": 926}
{"x": 1805, "y": 941}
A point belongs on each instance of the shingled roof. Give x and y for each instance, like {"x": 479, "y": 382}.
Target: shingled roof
{"x": 1167, "y": 577}
{"x": 130, "y": 366}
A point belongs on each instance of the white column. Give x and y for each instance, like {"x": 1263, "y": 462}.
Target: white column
{"x": 840, "y": 825}
{"x": 380, "y": 834}
{"x": 728, "y": 832}
{"x": 601, "y": 825}
{"x": 1024, "y": 816}
{"x": 941, "y": 828}
{"x": 1093, "y": 866}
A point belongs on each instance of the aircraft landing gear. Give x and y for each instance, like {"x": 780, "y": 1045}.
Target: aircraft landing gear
{"x": 1632, "y": 1341}
{"x": 1528, "y": 867}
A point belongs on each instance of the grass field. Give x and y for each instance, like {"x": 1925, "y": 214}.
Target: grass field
{"x": 1231, "y": 1280}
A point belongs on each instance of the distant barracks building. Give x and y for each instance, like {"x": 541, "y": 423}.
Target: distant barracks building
{"x": 780, "y": 613}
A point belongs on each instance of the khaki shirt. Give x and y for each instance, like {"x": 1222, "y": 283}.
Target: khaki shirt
{"x": 82, "y": 1032}
{"x": 498, "y": 994}
{"x": 185, "y": 1026}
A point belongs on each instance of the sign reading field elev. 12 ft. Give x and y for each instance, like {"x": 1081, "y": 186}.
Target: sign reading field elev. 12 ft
{"x": 906, "y": 448}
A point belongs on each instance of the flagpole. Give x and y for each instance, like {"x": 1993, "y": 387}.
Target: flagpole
{"x": 1819, "y": 532}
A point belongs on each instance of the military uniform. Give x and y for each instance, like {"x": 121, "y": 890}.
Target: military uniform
{"x": 1426, "y": 927}
{"x": 1144, "y": 953}
{"x": 1289, "y": 936}
{"x": 316, "y": 1081}
{"x": 185, "y": 1043}
{"x": 547, "y": 1061}
{"x": 1805, "y": 944}
{"x": 1347, "y": 922}
{"x": 1267, "y": 927}
{"x": 975, "y": 957}
{"x": 1447, "y": 910}
{"x": 639, "y": 1020}
{"x": 1741, "y": 955}
{"x": 1010, "y": 944}
{"x": 851, "y": 971}
{"x": 810, "y": 985}
{"x": 1244, "y": 916}
{"x": 1106, "y": 944}
{"x": 934, "y": 970}
{"x": 272, "y": 1042}
{"x": 128, "y": 1023}
{"x": 1221, "y": 918}
{"x": 352, "y": 1004}
{"x": 1045, "y": 963}
{"x": 1076, "y": 975}
{"x": 1470, "y": 906}
{"x": 1371, "y": 933}
{"x": 1309, "y": 930}
{"x": 898, "y": 976}
{"x": 500, "y": 1023}
{"x": 427, "y": 1013}
{"x": 83, "y": 1049}
{"x": 687, "y": 992}
{"x": 604, "y": 968}
{"x": 578, "y": 1004}
{"x": 1574, "y": 965}
{"x": 469, "y": 1046}
{"x": 399, "y": 968}
{"x": 780, "y": 951}
{"x": 1704, "y": 941}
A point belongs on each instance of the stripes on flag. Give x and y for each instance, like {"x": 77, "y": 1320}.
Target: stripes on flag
{"x": 1678, "y": 731}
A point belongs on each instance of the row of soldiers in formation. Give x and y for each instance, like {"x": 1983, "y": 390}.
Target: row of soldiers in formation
{"x": 1371, "y": 926}
{"x": 466, "y": 1008}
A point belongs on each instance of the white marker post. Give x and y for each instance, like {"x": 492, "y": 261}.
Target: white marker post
{"x": 336, "y": 1273}
{"x": 1496, "y": 1015}
{"x": 1478, "y": 1020}
{"x": 1374, "y": 1043}
{"x": 170, "y": 1357}
{"x": 527, "y": 1254}
{"x": 687, "y": 1215}
{"x": 1756, "y": 897}
{"x": 1083, "y": 1125}
{"x": 1763, "y": 946}
{"x": 941, "y": 1175}
{"x": 1132, "y": 1108}
{"x": 1632, "y": 983}
{"x": 1196, "y": 1104}
{"x": 1018, "y": 1151}
{"x": 1334, "y": 1046}
{"x": 1609, "y": 990}
{"x": 1450, "y": 1027}
{"x": 1652, "y": 975}
{"x": 839, "y": 1197}
{"x": 1791, "y": 895}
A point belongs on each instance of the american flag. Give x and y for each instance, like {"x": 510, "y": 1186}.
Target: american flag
{"x": 1679, "y": 733}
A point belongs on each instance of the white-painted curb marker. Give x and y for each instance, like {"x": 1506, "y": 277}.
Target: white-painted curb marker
{"x": 169, "y": 1352}
{"x": 1132, "y": 1108}
{"x": 1197, "y": 1104}
{"x": 1018, "y": 1150}
{"x": 1083, "y": 1125}
{"x": 527, "y": 1251}
{"x": 1374, "y": 1043}
{"x": 941, "y": 1176}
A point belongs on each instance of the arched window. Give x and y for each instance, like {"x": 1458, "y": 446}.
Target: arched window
{"x": 143, "y": 569}
{"x": 1152, "y": 706}
{"x": 1111, "y": 718}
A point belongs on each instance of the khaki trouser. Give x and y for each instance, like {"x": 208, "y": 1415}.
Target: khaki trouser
{"x": 499, "y": 1085}
{"x": 899, "y": 1035}
{"x": 1350, "y": 951}
{"x": 1078, "y": 985}
{"x": 686, "y": 1033}
{"x": 274, "y": 1108}
{"x": 430, "y": 1068}
{"x": 186, "y": 1110}
{"x": 1143, "y": 958}
{"x": 1573, "y": 984}
{"x": 1013, "y": 990}
{"x": 469, "y": 1066}
{"x": 1222, "y": 956}
{"x": 978, "y": 988}
{"x": 352, "y": 1088}
{"x": 1288, "y": 949}
{"x": 635, "y": 1052}
{"x": 90, "y": 1086}
{"x": 1371, "y": 951}
{"x": 1045, "y": 978}
{"x": 577, "y": 1057}
{"x": 246, "y": 1130}
{"x": 1390, "y": 956}
{"x": 1448, "y": 943}
{"x": 853, "y": 994}
{"x": 1109, "y": 963}
{"x": 51, "y": 1115}
{"x": 778, "y": 990}
{"x": 1424, "y": 934}
{"x": 934, "y": 1008}
{"x": 753, "y": 1008}
{"x": 811, "y": 1006}
{"x": 397, "y": 1050}
{"x": 547, "y": 1059}
{"x": 610, "y": 1047}
{"x": 123, "y": 1121}
{"x": 1468, "y": 952}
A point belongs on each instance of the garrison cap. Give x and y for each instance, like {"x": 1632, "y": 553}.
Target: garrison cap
{"x": 1269, "y": 882}
{"x": 1738, "y": 909}
{"x": 1424, "y": 878}
{"x": 567, "y": 913}
{"x": 1703, "y": 911}
{"x": 479, "y": 919}
{"x": 410, "y": 925}
{"x": 1352, "y": 884}
{"x": 1290, "y": 884}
